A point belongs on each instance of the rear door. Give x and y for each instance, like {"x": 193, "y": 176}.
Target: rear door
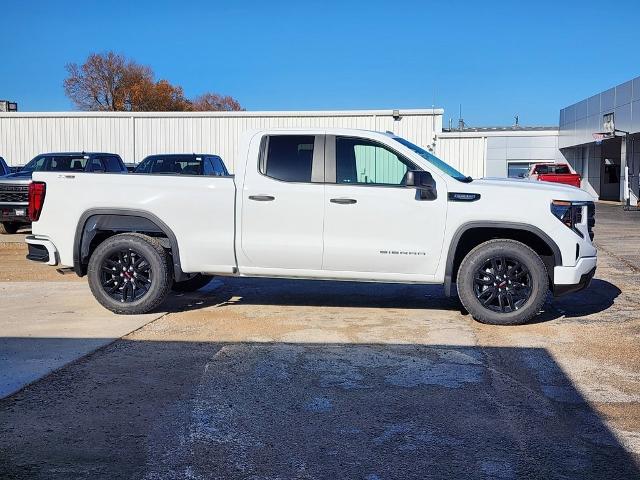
{"x": 283, "y": 205}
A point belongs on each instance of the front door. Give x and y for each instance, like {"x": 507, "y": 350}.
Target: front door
{"x": 283, "y": 205}
{"x": 373, "y": 222}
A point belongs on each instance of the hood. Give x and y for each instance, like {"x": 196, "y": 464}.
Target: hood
{"x": 549, "y": 189}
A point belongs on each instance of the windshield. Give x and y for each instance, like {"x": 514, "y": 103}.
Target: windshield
{"x": 57, "y": 163}
{"x": 435, "y": 161}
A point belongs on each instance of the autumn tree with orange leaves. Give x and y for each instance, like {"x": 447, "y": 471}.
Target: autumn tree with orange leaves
{"x": 110, "y": 82}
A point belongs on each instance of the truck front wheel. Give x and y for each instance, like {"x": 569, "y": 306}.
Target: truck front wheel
{"x": 502, "y": 282}
{"x": 130, "y": 274}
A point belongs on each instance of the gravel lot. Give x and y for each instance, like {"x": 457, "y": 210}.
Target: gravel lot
{"x": 281, "y": 379}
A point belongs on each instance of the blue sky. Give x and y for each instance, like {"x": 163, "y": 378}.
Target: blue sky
{"x": 496, "y": 58}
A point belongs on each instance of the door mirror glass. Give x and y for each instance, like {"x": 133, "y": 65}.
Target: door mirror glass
{"x": 423, "y": 182}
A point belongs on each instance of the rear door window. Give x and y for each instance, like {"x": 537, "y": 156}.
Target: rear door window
{"x": 66, "y": 163}
{"x": 289, "y": 158}
{"x": 97, "y": 165}
{"x": 214, "y": 166}
{"x": 112, "y": 163}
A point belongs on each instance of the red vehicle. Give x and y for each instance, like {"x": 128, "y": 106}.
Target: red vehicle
{"x": 556, "y": 173}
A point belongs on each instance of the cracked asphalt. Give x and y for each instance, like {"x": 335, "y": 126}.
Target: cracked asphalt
{"x": 266, "y": 379}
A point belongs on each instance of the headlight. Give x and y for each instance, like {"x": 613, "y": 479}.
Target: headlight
{"x": 569, "y": 213}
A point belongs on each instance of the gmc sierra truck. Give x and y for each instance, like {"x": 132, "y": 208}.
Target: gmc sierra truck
{"x": 320, "y": 203}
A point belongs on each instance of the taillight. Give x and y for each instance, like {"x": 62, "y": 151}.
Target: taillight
{"x": 36, "y": 199}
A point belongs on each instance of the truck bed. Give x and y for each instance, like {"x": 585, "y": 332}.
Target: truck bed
{"x": 572, "y": 179}
{"x": 199, "y": 209}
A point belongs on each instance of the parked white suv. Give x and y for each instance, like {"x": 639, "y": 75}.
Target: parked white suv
{"x": 319, "y": 203}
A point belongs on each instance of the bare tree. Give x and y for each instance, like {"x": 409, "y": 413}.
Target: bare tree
{"x": 104, "y": 82}
{"x": 215, "y": 102}
{"x": 110, "y": 82}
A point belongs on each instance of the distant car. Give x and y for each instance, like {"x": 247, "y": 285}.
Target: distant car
{"x": 14, "y": 187}
{"x": 4, "y": 168}
{"x": 556, "y": 173}
{"x": 183, "y": 164}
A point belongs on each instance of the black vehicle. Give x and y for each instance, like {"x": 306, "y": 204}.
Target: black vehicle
{"x": 14, "y": 187}
{"x": 4, "y": 168}
{"x": 183, "y": 164}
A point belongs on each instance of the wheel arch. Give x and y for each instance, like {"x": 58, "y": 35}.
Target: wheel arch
{"x": 97, "y": 224}
{"x": 472, "y": 234}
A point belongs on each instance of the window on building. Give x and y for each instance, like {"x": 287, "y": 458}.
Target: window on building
{"x": 361, "y": 161}
{"x": 518, "y": 169}
{"x": 289, "y": 158}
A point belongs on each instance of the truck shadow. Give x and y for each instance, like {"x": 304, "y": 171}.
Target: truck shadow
{"x": 224, "y": 291}
{"x": 182, "y": 409}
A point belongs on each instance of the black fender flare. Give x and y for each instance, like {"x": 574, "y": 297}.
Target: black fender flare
{"x": 453, "y": 246}
{"x": 119, "y": 220}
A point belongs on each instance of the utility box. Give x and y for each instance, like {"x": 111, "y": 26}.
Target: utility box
{"x": 7, "y": 106}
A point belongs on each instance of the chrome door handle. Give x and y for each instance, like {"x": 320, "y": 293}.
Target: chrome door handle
{"x": 261, "y": 198}
{"x": 344, "y": 201}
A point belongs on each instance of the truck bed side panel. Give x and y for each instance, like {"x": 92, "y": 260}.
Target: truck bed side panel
{"x": 198, "y": 210}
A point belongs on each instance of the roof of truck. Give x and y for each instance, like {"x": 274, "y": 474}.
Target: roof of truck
{"x": 77, "y": 153}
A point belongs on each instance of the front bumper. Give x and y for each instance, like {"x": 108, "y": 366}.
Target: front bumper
{"x": 573, "y": 279}
{"x": 41, "y": 249}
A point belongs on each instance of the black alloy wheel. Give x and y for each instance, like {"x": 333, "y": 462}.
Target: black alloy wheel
{"x": 502, "y": 284}
{"x": 130, "y": 273}
{"x": 126, "y": 275}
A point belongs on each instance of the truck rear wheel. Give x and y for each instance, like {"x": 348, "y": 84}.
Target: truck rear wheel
{"x": 130, "y": 274}
{"x": 502, "y": 282}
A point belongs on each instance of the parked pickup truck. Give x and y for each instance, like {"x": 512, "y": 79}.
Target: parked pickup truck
{"x": 14, "y": 187}
{"x": 333, "y": 204}
{"x": 183, "y": 163}
{"x": 4, "y": 168}
{"x": 555, "y": 173}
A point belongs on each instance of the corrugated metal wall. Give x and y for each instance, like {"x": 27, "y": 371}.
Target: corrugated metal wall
{"x": 466, "y": 154}
{"x": 136, "y": 135}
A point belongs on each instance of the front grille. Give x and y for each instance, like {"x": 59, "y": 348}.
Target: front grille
{"x": 14, "y": 193}
{"x": 591, "y": 218}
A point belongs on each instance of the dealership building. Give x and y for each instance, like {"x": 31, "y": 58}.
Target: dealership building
{"x": 596, "y": 136}
{"x": 599, "y": 137}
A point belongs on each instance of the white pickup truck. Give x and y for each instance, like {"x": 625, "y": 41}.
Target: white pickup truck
{"x": 319, "y": 203}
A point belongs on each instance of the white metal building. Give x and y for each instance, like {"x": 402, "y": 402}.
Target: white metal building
{"x": 135, "y": 135}
{"x": 498, "y": 151}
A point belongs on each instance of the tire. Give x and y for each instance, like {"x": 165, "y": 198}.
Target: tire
{"x": 502, "y": 282}
{"x": 191, "y": 285}
{"x": 9, "y": 227}
{"x": 145, "y": 274}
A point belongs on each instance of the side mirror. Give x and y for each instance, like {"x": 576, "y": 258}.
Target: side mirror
{"x": 424, "y": 184}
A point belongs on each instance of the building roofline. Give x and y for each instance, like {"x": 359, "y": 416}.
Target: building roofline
{"x": 499, "y": 132}
{"x": 241, "y": 114}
